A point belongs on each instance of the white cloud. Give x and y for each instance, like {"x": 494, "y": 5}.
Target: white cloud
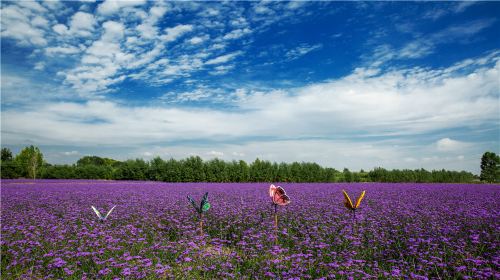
{"x": 301, "y": 51}
{"x": 237, "y": 33}
{"x": 60, "y": 29}
{"x": 456, "y": 7}
{"x": 463, "y": 5}
{"x": 33, "y": 6}
{"x": 223, "y": 58}
{"x": 82, "y": 24}
{"x": 422, "y": 46}
{"x": 172, "y": 33}
{"x": 222, "y": 69}
{"x": 101, "y": 63}
{"x": 237, "y": 154}
{"x": 407, "y": 103}
{"x": 399, "y": 102}
{"x": 113, "y": 31}
{"x": 147, "y": 28}
{"x": 110, "y": 7}
{"x": 40, "y": 66}
{"x": 416, "y": 49}
{"x": 39, "y": 21}
{"x": 215, "y": 154}
{"x": 62, "y": 50}
{"x": 71, "y": 153}
{"x": 198, "y": 39}
{"x": 262, "y": 8}
{"x": 18, "y": 23}
{"x": 195, "y": 95}
{"x": 450, "y": 145}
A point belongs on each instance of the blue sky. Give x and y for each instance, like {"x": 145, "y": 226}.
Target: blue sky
{"x": 344, "y": 84}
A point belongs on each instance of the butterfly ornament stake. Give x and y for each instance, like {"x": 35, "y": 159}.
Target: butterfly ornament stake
{"x": 100, "y": 216}
{"x": 279, "y": 197}
{"x": 203, "y": 207}
{"x": 348, "y": 203}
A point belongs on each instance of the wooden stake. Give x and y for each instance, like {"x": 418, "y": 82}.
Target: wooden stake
{"x": 353, "y": 220}
{"x": 201, "y": 224}
{"x": 276, "y": 222}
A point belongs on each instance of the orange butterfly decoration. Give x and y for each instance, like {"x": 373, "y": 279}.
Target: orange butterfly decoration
{"x": 278, "y": 195}
{"x": 348, "y": 202}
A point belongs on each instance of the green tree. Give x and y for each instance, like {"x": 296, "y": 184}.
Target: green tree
{"x": 347, "y": 175}
{"x": 30, "y": 159}
{"x": 157, "y": 169}
{"x": 94, "y": 160}
{"x": 217, "y": 171}
{"x": 128, "y": 170}
{"x": 193, "y": 169}
{"x": 173, "y": 171}
{"x": 6, "y": 154}
{"x": 59, "y": 172}
{"x": 10, "y": 169}
{"x": 490, "y": 167}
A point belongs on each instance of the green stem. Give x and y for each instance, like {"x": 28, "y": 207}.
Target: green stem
{"x": 201, "y": 224}
{"x": 276, "y": 222}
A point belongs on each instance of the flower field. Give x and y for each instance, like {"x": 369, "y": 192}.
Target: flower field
{"x": 415, "y": 231}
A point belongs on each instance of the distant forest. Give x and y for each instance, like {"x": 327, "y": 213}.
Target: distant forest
{"x": 29, "y": 163}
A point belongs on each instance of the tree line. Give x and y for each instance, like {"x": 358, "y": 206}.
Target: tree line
{"x": 29, "y": 163}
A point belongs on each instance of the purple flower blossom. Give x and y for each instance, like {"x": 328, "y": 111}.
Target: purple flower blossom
{"x": 414, "y": 231}
{"x": 58, "y": 262}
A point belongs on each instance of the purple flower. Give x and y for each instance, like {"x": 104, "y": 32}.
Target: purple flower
{"x": 126, "y": 271}
{"x": 58, "y": 263}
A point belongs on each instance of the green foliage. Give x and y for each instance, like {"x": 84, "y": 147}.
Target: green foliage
{"x": 419, "y": 176}
{"x": 132, "y": 170}
{"x": 6, "y": 154}
{"x": 58, "y": 172}
{"x": 157, "y": 169}
{"x": 30, "y": 161}
{"x": 217, "y": 171}
{"x": 95, "y": 160}
{"x": 11, "y": 170}
{"x": 195, "y": 169}
{"x": 490, "y": 167}
{"x": 93, "y": 172}
{"x": 347, "y": 175}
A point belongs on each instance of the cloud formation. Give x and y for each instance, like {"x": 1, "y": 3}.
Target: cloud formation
{"x": 241, "y": 80}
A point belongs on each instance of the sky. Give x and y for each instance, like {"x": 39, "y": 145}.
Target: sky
{"x": 344, "y": 84}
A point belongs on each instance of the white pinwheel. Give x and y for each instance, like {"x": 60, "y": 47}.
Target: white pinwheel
{"x": 102, "y": 218}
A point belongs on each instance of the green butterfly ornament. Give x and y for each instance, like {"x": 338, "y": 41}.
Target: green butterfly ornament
{"x": 204, "y": 205}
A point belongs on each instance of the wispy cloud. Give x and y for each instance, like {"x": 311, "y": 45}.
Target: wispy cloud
{"x": 301, "y": 50}
{"x": 425, "y": 45}
{"x": 450, "y": 8}
{"x": 223, "y": 58}
{"x": 447, "y": 145}
{"x": 402, "y": 102}
{"x": 172, "y": 33}
{"x": 111, "y": 42}
{"x": 71, "y": 153}
{"x": 241, "y": 80}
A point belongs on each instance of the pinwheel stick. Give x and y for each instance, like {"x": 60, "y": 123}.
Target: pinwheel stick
{"x": 353, "y": 220}
{"x": 201, "y": 224}
{"x": 276, "y": 221}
